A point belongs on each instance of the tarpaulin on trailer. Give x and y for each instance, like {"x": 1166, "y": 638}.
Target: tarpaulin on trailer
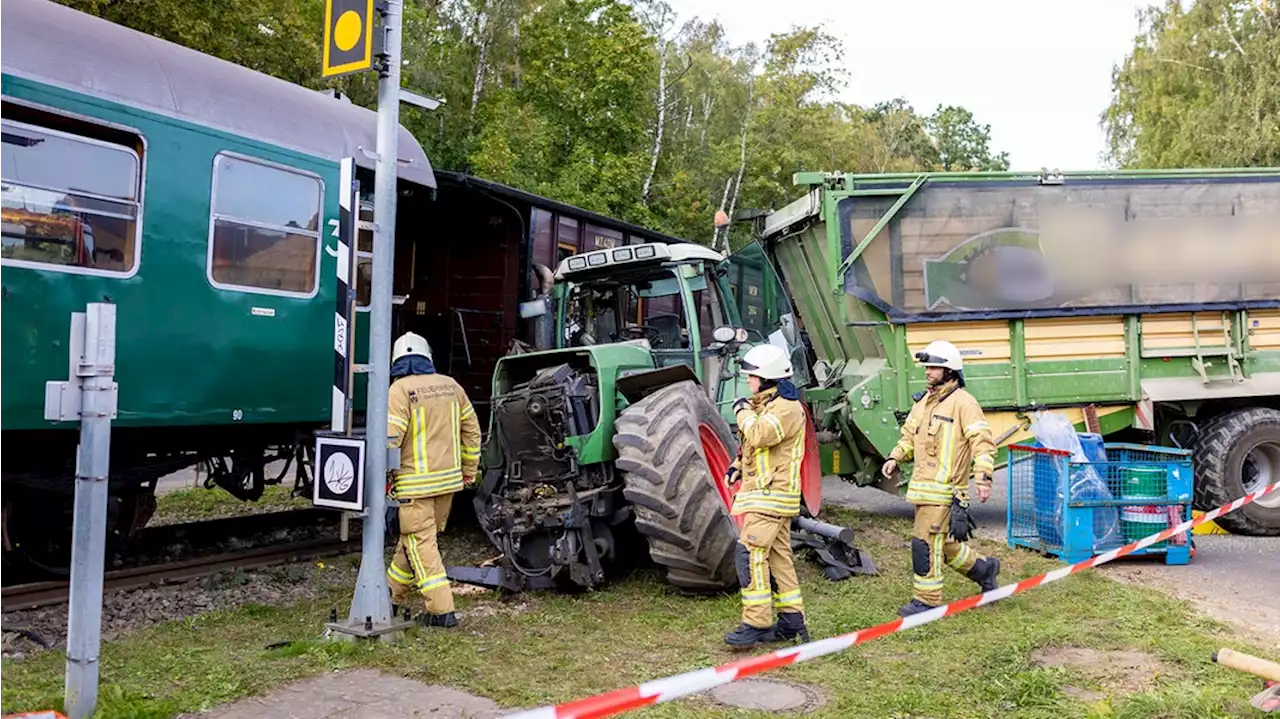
{"x": 1008, "y": 246}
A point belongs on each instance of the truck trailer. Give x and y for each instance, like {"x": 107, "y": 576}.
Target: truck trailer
{"x": 1143, "y": 304}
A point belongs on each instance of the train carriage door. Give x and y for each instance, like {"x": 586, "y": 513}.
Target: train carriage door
{"x": 264, "y": 259}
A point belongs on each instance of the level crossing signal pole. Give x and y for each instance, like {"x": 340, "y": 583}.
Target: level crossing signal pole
{"x": 372, "y": 601}
{"x": 89, "y": 395}
{"x": 350, "y": 47}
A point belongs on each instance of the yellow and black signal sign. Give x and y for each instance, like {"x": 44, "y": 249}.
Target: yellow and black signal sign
{"x": 348, "y": 36}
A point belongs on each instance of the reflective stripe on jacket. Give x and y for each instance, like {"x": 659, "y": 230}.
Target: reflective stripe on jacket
{"x": 432, "y": 422}
{"x": 772, "y": 430}
{"x": 945, "y": 432}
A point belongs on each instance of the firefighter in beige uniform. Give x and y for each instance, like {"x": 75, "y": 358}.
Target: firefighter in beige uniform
{"x": 772, "y": 424}
{"x": 944, "y": 433}
{"x": 431, "y": 421}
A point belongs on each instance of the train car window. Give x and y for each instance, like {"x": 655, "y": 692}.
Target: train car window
{"x": 264, "y": 234}
{"x": 568, "y": 233}
{"x": 364, "y": 258}
{"x": 68, "y": 201}
{"x": 544, "y": 250}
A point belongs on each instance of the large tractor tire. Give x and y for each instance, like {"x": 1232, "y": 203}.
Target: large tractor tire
{"x": 673, "y": 451}
{"x": 1238, "y": 453}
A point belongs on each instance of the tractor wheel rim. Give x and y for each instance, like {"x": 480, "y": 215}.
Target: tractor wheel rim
{"x": 717, "y": 460}
{"x": 1262, "y": 468}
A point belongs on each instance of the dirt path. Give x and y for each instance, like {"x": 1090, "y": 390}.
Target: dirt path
{"x": 1235, "y": 580}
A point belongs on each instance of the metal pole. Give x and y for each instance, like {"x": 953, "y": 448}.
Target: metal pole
{"x": 95, "y": 369}
{"x": 372, "y": 601}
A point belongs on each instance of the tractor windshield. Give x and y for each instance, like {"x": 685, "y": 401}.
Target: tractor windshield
{"x": 648, "y": 304}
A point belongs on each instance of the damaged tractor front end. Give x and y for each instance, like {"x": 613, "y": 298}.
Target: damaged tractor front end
{"x": 549, "y": 510}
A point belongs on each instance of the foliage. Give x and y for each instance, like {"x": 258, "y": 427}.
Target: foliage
{"x": 1201, "y": 88}
{"x": 962, "y": 143}
{"x": 614, "y": 107}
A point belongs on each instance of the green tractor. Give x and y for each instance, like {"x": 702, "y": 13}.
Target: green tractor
{"x": 622, "y": 434}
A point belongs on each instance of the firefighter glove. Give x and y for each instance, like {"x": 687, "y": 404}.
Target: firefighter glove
{"x": 733, "y": 476}
{"x": 740, "y": 404}
{"x": 962, "y": 524}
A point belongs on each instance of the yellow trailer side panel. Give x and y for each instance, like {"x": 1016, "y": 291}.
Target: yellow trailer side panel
{"x": 1264, "y": 330}
{"x": 978, "y": 342}
{"x": 1178, "y": 331}
{"x": 1074, "y": 338}
{"x": 1000, "y": 422}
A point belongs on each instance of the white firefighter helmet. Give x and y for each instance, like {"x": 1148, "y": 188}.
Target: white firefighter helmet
{"x": 410, "y": 343}
{"x": 767, "y": 361}
{"x": 941, "y": 353}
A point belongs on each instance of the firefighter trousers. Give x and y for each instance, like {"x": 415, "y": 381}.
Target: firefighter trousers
{"x": 416, "y": 563}
{"x": 931, "y": 548}
{"x": 766, "y": 569}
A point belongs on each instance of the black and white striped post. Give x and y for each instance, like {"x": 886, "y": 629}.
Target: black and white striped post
{"x": 344, "y": 329}
{"x": 343, "y": 326}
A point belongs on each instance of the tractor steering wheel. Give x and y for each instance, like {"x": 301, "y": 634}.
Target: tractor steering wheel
{"x": 636, "y": 332}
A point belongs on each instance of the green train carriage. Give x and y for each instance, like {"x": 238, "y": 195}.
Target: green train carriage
{"x": 200, "y": 198}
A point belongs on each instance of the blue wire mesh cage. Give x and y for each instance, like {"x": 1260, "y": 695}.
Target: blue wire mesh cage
{"x": 1077, "y": 509}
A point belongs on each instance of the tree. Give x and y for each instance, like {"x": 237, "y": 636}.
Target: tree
{"x": 1201, "y": 88}
{"x": 961, "y": 143}
{"x": 904, "y": 144}
{"x": 613, "y": 106}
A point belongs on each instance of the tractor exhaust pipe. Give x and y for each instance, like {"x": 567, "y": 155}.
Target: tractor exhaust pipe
{"x": 823, "y": 529}
{"x": 832, "y": 546}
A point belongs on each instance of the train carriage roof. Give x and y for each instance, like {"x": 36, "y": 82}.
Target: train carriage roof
{"x": 48, "y": 42}
{"x": 472, "y": 182}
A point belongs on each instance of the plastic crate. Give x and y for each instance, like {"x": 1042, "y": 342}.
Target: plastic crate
{"x": 1075, "y": 510}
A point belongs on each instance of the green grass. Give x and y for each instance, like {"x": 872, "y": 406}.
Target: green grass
{"x": 197, "y": 503}
{"x": 535, "y": 649}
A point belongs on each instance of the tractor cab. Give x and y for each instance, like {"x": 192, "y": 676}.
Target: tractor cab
{"x": 675, "y": 300}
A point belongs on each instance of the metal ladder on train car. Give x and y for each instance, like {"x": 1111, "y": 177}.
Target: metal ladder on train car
{"x": 1226, "y": 351}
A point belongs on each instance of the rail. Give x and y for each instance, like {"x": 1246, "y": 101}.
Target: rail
{"x": 40, "y": 594}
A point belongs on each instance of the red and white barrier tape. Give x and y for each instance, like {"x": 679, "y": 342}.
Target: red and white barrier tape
{"x": 681, "y": 685}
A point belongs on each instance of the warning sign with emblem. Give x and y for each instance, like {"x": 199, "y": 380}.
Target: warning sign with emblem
{"x": 348, "y": 37}
{"x": 339, "y": 480}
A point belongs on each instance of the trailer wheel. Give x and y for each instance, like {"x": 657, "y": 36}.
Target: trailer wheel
{"x": 1236, "y": 454}
{"x": 673, "y": 450}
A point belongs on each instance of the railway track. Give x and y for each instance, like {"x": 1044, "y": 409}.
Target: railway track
{"x": 40, "y": 594}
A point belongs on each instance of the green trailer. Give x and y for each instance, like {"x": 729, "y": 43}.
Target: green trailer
{"x": 1145, "y": 302}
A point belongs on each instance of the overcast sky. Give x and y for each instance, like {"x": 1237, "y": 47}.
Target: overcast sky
{"x": 1037, "y": 71}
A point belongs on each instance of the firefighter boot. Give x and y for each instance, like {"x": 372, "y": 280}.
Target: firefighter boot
{"x": 984, "y": 573}
{"x": 789, "y": 626}
{"x": 447, "y": 620}
{"x": 748, "y": 636}
{"x": 914, "y": 607}
{"x": 398, "y": 609}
